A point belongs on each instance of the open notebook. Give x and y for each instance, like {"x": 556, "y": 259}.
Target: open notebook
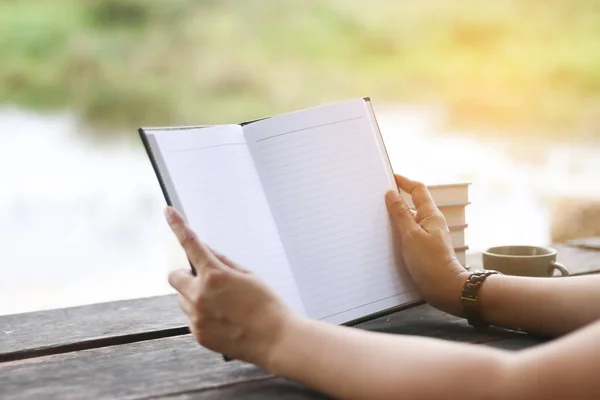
{"x": 299, "y": 199}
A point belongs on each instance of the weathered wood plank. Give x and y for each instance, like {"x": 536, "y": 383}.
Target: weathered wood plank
{"x": 579, "y": 261}
{"x": 267, "y": 389}
{"x": 136, "y": 370}
{"x": 590, "y": 243}
{"x": 46, "y": 329}
{"x": 178, "y": 367}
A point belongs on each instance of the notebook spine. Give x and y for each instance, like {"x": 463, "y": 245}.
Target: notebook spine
{"x": 159, "y": 177}
{"x": 382, "y": 313}
{"x": 161, "y": 181}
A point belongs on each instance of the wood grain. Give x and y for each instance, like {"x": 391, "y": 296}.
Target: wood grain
{"x": 49, "y": 329}
{"x": 267, "y": 389}
{"x": 177, "y": 367}
{"x": 137, "y": 370}
{"x": 579, "y": 261}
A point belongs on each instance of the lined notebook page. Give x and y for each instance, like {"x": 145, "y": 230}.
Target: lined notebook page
{"x": 213, "y": 181}
{"x": 325, "y": 174}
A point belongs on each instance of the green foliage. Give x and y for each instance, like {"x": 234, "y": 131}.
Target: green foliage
{"x": 507, "y": 65}
{"x": 110, "y": 14}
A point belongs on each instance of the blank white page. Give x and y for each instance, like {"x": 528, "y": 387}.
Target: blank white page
{"x": 211, "y": 178}
{"x": 325, "y": 174}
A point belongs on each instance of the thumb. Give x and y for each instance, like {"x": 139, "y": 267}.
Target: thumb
{"x": 401, "y": 214}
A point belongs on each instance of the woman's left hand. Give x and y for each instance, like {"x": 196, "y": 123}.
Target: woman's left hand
{"x": 230, "y": 310}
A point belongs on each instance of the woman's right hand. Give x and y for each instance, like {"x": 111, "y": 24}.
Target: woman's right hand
{"x": 426, "y": 246}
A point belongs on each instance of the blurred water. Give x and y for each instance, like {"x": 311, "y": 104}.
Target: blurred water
{"x": 78, "y": 223}
{"x": 82, "y": 223}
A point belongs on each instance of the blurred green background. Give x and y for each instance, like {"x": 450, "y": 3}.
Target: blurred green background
{"x": 498, "y": 67}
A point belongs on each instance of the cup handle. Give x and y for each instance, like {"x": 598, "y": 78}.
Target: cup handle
{"x": 556, "y": 265}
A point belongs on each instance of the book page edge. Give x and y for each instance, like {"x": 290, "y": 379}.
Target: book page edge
{"x": 380, "y": 142}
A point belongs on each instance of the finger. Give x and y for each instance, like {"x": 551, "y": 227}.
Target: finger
{"x": 186, "y": 305}
{"x": 198, "y": 254}
{"x": 217, "y": 335}
{"x": 421, "y": 197}
{"x": 182, "y": 280}
{"x": 225, "y": 260}
{"x": 431, "y": 219}
{"x": 196, "y": 319}
{"x": 400, "y": 212}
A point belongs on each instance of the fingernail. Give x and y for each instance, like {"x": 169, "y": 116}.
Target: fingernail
{"x": 392, "y": 196}
{"x": 169, "y": 214}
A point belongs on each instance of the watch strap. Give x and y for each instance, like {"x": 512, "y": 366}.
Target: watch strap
{"x": 470, "y": 296}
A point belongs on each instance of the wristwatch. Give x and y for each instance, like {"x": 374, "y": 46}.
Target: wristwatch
{"x": 469, "y": 297}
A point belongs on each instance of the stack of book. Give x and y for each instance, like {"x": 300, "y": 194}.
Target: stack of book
{"x": 452, "y": 200}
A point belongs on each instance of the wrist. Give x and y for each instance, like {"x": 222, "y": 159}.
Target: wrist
{"x": 280, "y": 350}
{"x": 449, "y": 299}
{"x": 455, "y": 306}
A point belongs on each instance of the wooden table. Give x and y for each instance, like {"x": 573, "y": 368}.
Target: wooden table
{"x": 141, "y": 349}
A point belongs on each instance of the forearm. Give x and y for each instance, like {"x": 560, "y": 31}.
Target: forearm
{"x": 546, "y": 306}
{"x": 350, "y": 363}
